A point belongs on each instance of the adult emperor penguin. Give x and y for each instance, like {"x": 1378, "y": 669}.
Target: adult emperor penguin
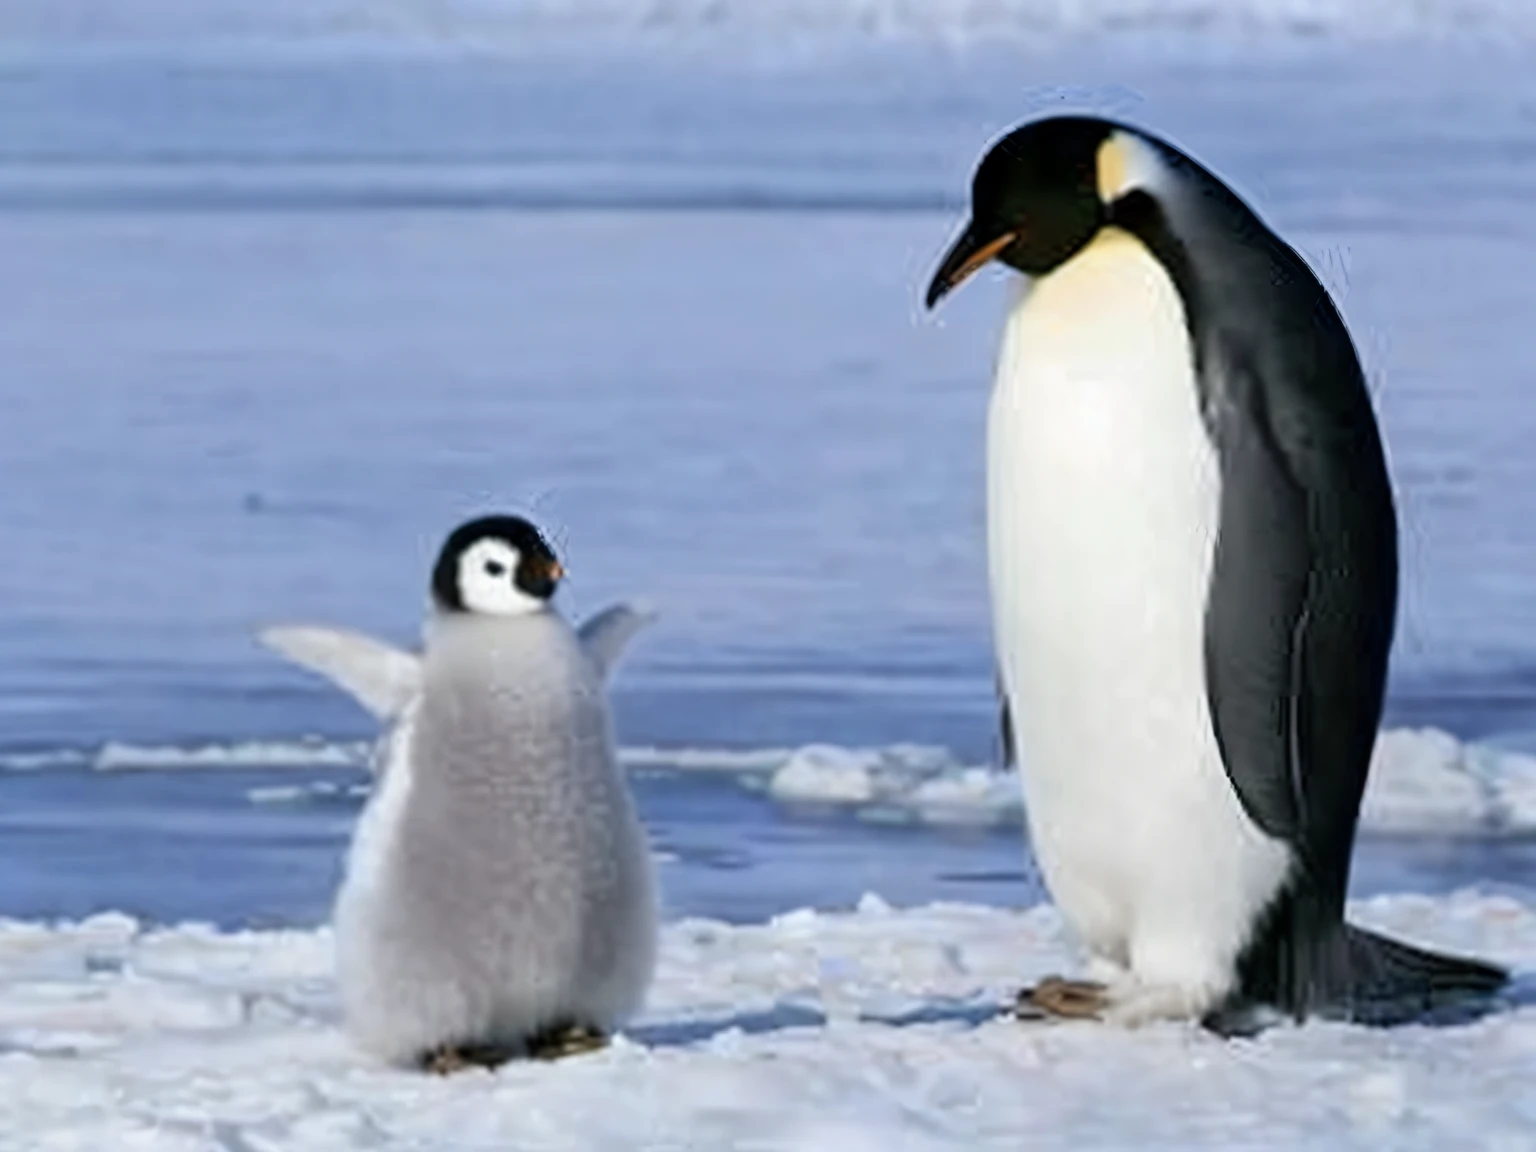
{"x": 498, "y": 897}
{"x": 1193, "y": 562}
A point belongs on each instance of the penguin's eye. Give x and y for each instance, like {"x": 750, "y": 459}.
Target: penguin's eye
{"x": 495, "y": 568}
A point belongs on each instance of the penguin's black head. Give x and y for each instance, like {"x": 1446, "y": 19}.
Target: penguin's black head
{"x": 1038, "y": 197}
{"x": 496, "y": 565}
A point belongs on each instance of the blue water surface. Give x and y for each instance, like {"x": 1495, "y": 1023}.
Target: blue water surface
{"x": 271, "y": 327}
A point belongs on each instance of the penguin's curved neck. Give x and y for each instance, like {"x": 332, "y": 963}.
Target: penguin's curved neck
{"x": 1139, "y": 213}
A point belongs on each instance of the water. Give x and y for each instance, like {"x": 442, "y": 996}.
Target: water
{"x": 272, "y": 327}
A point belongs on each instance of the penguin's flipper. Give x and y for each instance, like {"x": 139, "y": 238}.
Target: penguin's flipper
{"x": 1298, "y": 628}
{"x": 379, "y": 676}
{"x": 1005, "y": 727}
{"x": 606, "y": 635}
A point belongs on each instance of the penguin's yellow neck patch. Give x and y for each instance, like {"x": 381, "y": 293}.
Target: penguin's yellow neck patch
{"x": 1124, "y": 162}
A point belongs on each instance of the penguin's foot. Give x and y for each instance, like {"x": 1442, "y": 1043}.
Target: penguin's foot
{"x": 1069, "y": 999}
{"x": 446, "y": 1059}
{"x": 1135, "y": 1003}
{"x": 565, "y": 1040}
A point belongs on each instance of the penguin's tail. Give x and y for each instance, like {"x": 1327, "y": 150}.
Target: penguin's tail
{"x": 1305, "y": 961}
{"x": 1395, "y": 983}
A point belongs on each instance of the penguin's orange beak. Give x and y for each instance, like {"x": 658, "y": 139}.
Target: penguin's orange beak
{"x": 967, "y": 254}
{"x": 556, "y": 570}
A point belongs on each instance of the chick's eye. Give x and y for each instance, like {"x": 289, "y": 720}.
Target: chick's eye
{"x": 495, "y": 568}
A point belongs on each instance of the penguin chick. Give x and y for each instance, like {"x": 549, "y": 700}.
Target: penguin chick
{"x": 498, "y": 897}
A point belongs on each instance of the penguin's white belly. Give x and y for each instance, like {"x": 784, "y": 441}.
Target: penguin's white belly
{"x": 1103, "y": 497}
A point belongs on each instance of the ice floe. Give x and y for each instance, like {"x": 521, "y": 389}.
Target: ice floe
{"x": 876, "y": 1029}
{"x": 1423, "y": 781}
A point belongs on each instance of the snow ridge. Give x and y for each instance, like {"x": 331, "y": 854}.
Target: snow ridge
{"x": 1422, "y": 782}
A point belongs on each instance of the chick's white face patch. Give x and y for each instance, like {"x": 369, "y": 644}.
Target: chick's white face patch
{"x": 1126, "y": 163}
{"x": 488, "y": 580}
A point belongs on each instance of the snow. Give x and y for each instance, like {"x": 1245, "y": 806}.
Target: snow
{"x": 115, "y": 756}
{"x": 875, "y": 1029}
{"x": 120, "y": 756}
{"x": 1427, "y": 779}
{"x": 1422, "y": 781}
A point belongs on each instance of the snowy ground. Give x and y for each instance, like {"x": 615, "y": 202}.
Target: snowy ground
{"x": 874, "y": 1030}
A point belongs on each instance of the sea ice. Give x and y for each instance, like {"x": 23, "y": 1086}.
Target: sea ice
{"x": 876, "y": 1029}
{"x": 1423, "y": 781}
